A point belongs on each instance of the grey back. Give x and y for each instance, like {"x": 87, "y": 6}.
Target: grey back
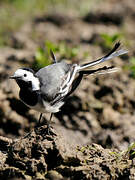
{"x": 51, "y": 78}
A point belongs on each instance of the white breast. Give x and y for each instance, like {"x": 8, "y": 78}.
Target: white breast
{"x": 46, "y": 107}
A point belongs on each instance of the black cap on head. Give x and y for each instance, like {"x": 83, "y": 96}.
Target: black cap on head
{"x": 28, "y": 69}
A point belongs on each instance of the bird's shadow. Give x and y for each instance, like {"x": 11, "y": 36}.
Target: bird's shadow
{"x": 70, "y": 110}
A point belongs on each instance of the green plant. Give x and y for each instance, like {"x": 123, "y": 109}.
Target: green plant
{"x": 108, "y": 40}
{"x": 131, "y": 149}
{"x": 66, "y": 51}
{"x": 118, "y": 155}
{"x": 42, "y": 55}
{"x": 131, "y": 67}
{"x": 41, "y": 59}
{"x": 129, "y": 152}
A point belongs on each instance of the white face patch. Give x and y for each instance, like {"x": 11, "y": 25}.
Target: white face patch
{"x": 27, "y": 76}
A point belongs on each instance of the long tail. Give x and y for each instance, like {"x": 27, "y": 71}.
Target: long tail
{"x": 102, "y": 70}
{"x": 113, "y": 53}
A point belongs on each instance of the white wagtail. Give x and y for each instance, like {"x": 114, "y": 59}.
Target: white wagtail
{"x": 47, "y": 89}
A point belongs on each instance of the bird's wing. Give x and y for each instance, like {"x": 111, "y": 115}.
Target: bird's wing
{"x": 54, "y": 80}
{"x": 66, "y": 84}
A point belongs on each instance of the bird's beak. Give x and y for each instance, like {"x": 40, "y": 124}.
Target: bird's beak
{"x": 14, "y": 77}
{"x": 11, "y": 77}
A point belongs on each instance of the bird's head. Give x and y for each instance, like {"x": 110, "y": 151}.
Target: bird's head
{"x": 25, "y": 77}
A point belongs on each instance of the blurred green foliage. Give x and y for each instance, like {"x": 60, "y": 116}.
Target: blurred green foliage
{"x": 108, "y": 40}
{"x": 42, "y": 55}
{"x": 131, "y": 67}
{"x": 14, "y": 13}
{"x": 82, "y": 7}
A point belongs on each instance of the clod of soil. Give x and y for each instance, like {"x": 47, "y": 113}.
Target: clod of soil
{"x": 57, "y": 19}
{"x": 106, "y": 18}
{"x": 38, "y": 155}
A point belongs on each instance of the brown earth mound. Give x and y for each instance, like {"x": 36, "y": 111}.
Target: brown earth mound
{"x": 42, "y": 156}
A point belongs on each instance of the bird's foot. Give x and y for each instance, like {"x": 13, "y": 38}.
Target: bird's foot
{"x": 48, "y": 129}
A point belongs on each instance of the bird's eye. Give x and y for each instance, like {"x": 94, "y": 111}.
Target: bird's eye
{"x": 25, "y": 75}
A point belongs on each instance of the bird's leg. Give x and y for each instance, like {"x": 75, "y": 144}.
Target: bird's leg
{"x": 39, "y": 121}
{"x": 48, "y": 124}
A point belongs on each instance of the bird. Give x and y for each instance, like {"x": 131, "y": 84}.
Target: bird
{"x": 47, "y": 89}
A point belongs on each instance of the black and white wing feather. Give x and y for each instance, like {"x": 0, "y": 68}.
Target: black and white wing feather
{"x": 66, "y": 84}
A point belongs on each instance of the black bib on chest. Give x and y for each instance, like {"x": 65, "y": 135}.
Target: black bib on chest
{"x": 26, "y": 94}
{"x": 30, "y": 98}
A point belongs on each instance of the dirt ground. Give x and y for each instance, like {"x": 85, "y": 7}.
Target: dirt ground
{"x": 96, "y": 124}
